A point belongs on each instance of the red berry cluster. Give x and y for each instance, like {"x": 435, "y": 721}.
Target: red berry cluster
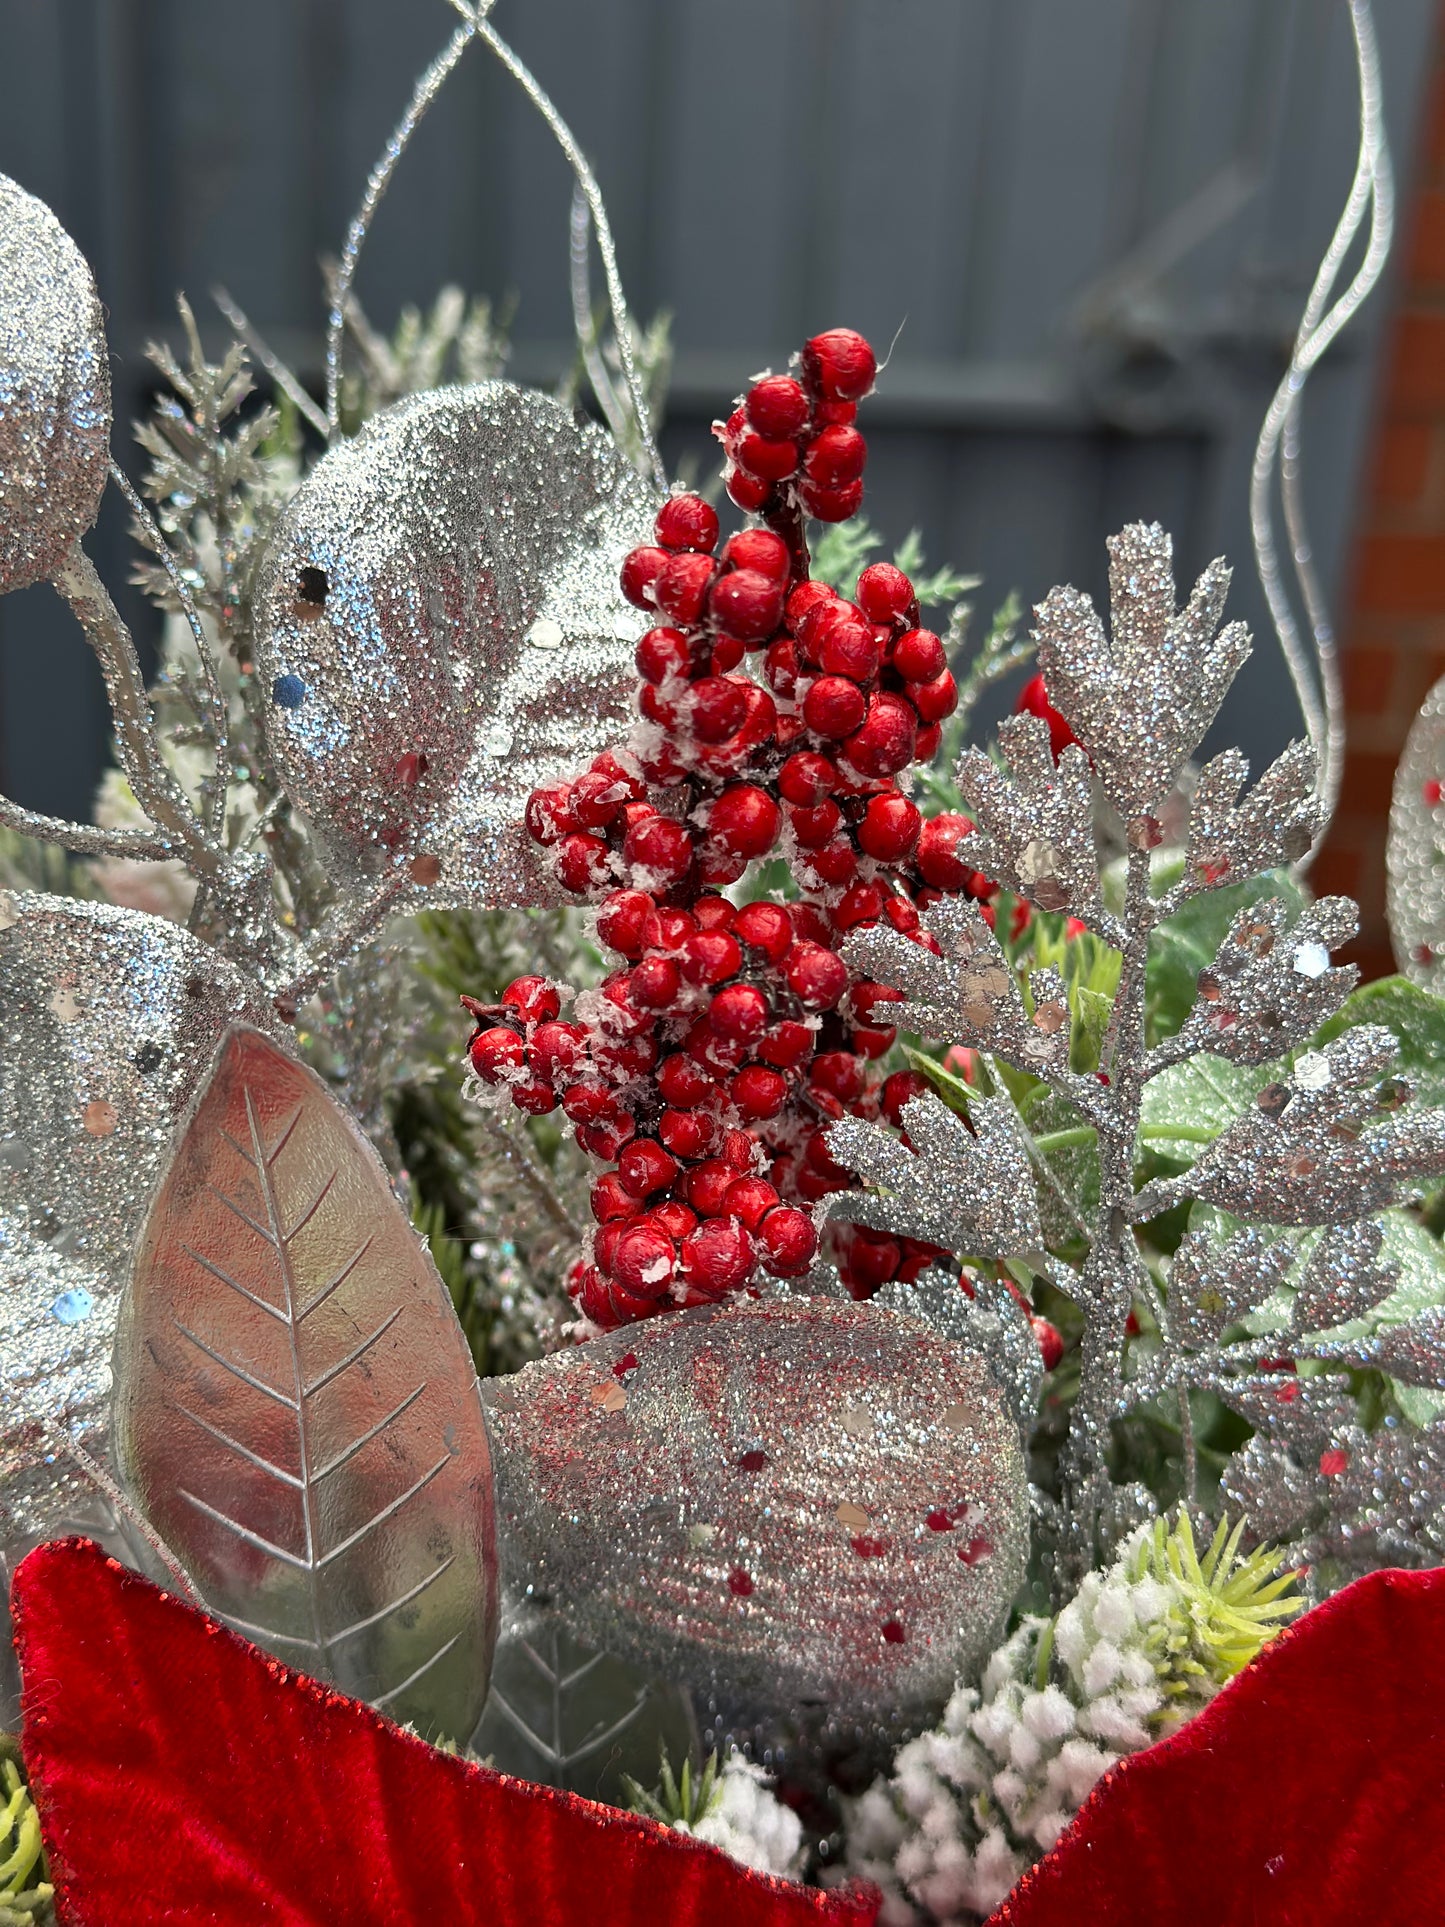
{"x": 706, "y": 1068}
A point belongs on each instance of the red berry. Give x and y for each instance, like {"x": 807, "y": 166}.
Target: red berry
{"x": 687, "y": 522}
{"x": 834, "y": 707}
{"x": 761, "y": 551}
{"x": 495, "y": 1052}
{"x": 555, "y": 1049}
{"x": 718, "y": 707}
{"x": 835, "y": 864}
{"x": 937, "y": 864}
{"x": 687, "y": 1134}
{"x": 888, "y": 738}
{"x": 655, "y": 983}
{"x": 587, "y": 1103}
{"x": 862, "y": 904}
{"x": 674, "y": 1218}
{"x": 765, "y": 927}
{"x": 1050, "y": 1341}
{"x": 533, "y": 998}
{"x": 660, "y": 846}
{"x": 707, "y": 1186}
{"x": 918, "y": 656}
{"x": 806, "y": 778}
{"x": 806, "y": 596}
{"x": 620, "y": 921}
{"x": 667, "y": 928}
{"x": 683, "y": 1083}
{"x": 767, "y": 460}
{"x": 865, "y": 997}
{"x": 749, "y": 1199}
{"x": 935, "y": 700}
{"x": 1033, "y": 699}
{"x": 643, "y": 1260}
{"x": 717, "y": 1258}
{"x": 682, "y": 585}
{"x": 548, "y": 815}
{"x": 831, "y": 504}
{"x": 927, "y": 746}
{"x": 816, "y": 977}
{"x": 849, "y": 649}
{"x": 747, "y": 491}
{"x": 727, "y": 653}
{"x": 890, "y": 828}
{"x": 611, "y": 1200}
{"x": 644, "y": 1167}
{"x": 714, "y": 913}
{"x": 582, "y": 863}
{"x": 810, "y": 925}
{"x": 814, "y": 828}
{"x": 840, "y": 364}
{"x": 789, "y": 1241}
{"x": 780, "y": 666}
{"x": 870, "y": 1261}
{"x": 835, "y": 458}
{"x": 744, "y": 821}
{"x": 870, "y": 1041}
{"x": 776, "y": 407}
{"x": 711, "y": 957}
{"x": 785, "y": 1045}
{"x": 605, "y": 1139}
{"x": 839, "y": 1073}
{"x": 885, "y": 594}
{"x": 640, "y": 570}
{"x": 739, "y": 1013}
{"x": 746, "y": 604}
{"x": 758, "y": 1092}
{"x": 663, "y": 653}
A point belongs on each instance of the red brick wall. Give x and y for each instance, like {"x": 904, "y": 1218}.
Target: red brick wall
{"x": 1393, "y": 627}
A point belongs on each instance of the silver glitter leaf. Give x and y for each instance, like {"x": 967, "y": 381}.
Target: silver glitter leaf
{"x": 108, "y": 1023}
{"x": 1273, "y": 826}
{"x": 969, "y": 994}
{"x": 966, "y": 1185}
{"x": 296, "y": 1408}
{"x": 1035, "y": 827}
{"x": 986, "y": 1318}
{"x": 439, "y": 622}
{"x": 1415, "y": 850}
{"x": 1212, "y": 1287}
{"x": 804, "y": 1500}
{"x": 1269, "y": 986}
{"x": 56, "y": 1321}
{"x": 1306, "y": 1154}
{"x": 1343, "y": 1278}
{"x": 54, "y": 391}
{"x": 1140, "y": 702}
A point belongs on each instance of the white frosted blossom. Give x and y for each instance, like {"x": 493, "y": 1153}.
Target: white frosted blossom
{"x": 747, "y": 1820}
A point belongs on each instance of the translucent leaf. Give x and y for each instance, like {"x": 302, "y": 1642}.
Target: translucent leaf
{"x": 296, "y": 1408}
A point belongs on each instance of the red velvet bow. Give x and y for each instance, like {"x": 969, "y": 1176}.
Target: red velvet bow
{"x": 185, "y": 1778}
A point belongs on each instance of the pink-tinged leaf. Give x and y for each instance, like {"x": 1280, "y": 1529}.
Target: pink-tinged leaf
{"x": 296, "y": 1408}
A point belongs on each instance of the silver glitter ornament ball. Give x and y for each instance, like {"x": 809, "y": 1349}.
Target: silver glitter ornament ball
{"x": 794, "y": 1503}
{"x": 54, "y": 391}
{"x": 108, "y": 1021}
{"x": 440, "y": 630}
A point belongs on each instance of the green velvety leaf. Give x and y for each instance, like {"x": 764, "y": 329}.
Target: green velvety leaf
{"x": 1417, "y": 1019}
{"x": 1091, "y": 1010}
{"x": 1188, "y": 1105}
{"x": 1181, "y": 948}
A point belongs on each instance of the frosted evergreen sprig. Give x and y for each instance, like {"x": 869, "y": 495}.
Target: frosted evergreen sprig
{"x": 732, "y": 1807}
{"x": 25, "y": 1893}
{"x": 1137, "y": 1651}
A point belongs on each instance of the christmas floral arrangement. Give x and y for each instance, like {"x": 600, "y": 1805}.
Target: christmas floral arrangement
{"x": 700, "y": 1295}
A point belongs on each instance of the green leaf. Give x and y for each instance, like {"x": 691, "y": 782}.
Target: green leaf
{"x": 1091, "y": 1010}
{"x": 1180, "y": 948}
{"x": 1417, "y": 1019}
{"x": 1188, "y": 1105}
{"x": 950, "y": 1087}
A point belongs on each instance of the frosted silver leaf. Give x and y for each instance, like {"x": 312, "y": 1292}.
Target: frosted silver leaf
{"x": 1274, "y": 825}
{"x": 1036, "y": 824}
{"x": 1140, "y": 701}
{"x": 1344, "y": 1277}
{"x": 1271, "y": 986}
{"x": 1415, "y": 852}
{"x": 1315, "y": 1149}
{"x": 763, "y": 1529}
{"x": 296, "y": 1407}
{"x": 54, "y": 391}
{"x": 990, "y": 1321}
{"x": 109, "y": 1021}
{"x": 969, "y": 1190}
{"x": 970, "y": 994}
{"x": 440, "y": 627}
{"x": 1213, "y": 1286}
